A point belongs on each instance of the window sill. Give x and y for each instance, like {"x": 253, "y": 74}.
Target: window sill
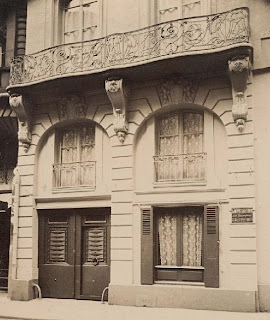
{"x": 72, "y": 189}
{"x": 179, "y": 267}
{"x": 181, "y": 283}
{"x": 168, "y": 184}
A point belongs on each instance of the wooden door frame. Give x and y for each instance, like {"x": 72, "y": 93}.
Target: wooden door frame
{"x": 76, "y": 215}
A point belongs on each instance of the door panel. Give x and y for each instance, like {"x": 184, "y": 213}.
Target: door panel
{"x": 94, "y": 255}
{"x": 74, "y": 253}
{"x": 56, "y": 256}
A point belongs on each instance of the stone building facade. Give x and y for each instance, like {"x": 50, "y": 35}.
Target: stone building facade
{"x": 142, "y": 162}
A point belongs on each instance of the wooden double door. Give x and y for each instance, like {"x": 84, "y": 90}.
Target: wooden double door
{"x": 74, "y": 253}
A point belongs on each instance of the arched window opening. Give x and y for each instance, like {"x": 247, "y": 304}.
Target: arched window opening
{"x": 180, "y": 150}
{"x": 75, "y": 156}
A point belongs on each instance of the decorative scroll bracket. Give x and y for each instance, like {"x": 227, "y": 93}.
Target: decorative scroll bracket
{"x": 22, "y": 107}
{"x": 118, "y": 97}
{"x": 239, "y": 68}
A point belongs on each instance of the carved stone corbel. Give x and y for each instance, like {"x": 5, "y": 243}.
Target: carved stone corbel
{"x": 21, "y": 108}
{"x": 239, "y": 68}
{"x": 118, "y": 97}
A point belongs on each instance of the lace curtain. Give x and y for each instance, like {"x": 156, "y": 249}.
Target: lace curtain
{"x": 87, "y": 143}
{"x": 77, "y": 150}
{"x": 192, "y": 240}
{"x": 68, "y": 157}
{"x": 167, "y": 239}
{"x": 189, "y": 249}
{"x": 193, "y": 165}
{"x": 180, "y": 162}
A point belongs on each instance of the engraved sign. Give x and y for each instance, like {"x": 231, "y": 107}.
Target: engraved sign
{"x": 242, "y": 215}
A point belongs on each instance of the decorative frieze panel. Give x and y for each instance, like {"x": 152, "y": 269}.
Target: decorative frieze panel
{"x": 118, "y": 97}
{"x": 239, "y": 68}
{"x": 71, "y": 107}
{"x": 22, "y": 107}
{"x": 177, "y": 90}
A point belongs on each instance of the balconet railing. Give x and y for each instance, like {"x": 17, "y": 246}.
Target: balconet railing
{"x": 76, "y": 174}
{"x": 182, "y": 167}
{"x": 188, "y": 36}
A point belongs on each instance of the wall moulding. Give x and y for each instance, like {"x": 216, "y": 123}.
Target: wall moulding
{"x": 22, "y": 107}
{"x": 117, "y": 95}
{"x": 177, "y": 89}
{"x": 71, "y": 106}
{"x": 239, "y": 70}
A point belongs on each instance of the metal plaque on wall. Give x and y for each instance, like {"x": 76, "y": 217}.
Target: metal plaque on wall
{"x": 242, "y": 215}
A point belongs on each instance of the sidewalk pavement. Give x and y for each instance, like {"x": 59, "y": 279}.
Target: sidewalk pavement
{"x": 59, "y": 309}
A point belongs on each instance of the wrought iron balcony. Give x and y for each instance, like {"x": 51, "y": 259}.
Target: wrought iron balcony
{"x": 6, "y": 176}
{"x": 197, "y": 35}
{"x": 182, "y": 167}
{"x": 76, "y": 174}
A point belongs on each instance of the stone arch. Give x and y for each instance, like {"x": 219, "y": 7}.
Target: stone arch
{"x": 48, "y": 138}
{"x": 145, "y": 142}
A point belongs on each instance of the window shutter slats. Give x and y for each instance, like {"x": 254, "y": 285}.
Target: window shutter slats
{"x": 211, "y": 247}
{"x": 147, "y": 246}
{"x": 57, "y": 245}
{"x": 95, "y": 244}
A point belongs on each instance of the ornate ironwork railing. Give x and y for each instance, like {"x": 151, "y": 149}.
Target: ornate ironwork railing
{"x": 75, "y": 174}
{"x": 6, "y": 176}
{"x": 168, "y": 39}
{"x": 183, "y": 167}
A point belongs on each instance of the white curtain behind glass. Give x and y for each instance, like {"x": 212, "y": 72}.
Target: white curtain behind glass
{"x": 178, "y": 9}
{"x": 167, "y": 239}
{"x": 192, "y": 240}
{"x": 81, "y": 20}
{"x": 175, "y": 245}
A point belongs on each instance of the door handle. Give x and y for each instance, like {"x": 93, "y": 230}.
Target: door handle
{"x": 95, "y": 261}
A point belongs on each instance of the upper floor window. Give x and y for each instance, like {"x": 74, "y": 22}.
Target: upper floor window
{"x": 75, "y": 156}
{"x": 81, "y": 20}
{"x": 179, "y": 9}
{"x": 180, "y": 155}
{"x": 8, "y": 158}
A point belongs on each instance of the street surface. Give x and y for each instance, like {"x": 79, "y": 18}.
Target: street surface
{"x": 60, "y": 309}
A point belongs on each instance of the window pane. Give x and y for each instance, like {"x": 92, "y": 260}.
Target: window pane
{"x": 168, "y": 134}
{"x": 72, "y": 25}
{"x": 192, "y": 239}
{"x": 168, "y": 10}
{"x": 90, "y": 20}
{"x": 191, "y": 8}
{"x": 167, "y": 239}
{"x": 69, "y": 146}
{"x": 193, "y": 132}
{"x": 68, "y": 157}
{"x": 87, "y": 143}
{"x": 169, "y": 125}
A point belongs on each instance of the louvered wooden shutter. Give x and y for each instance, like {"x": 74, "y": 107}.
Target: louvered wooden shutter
{"x": 147, "y": 246}
{"x": 211, "y": 247}
{"x": 95, "y": 244}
